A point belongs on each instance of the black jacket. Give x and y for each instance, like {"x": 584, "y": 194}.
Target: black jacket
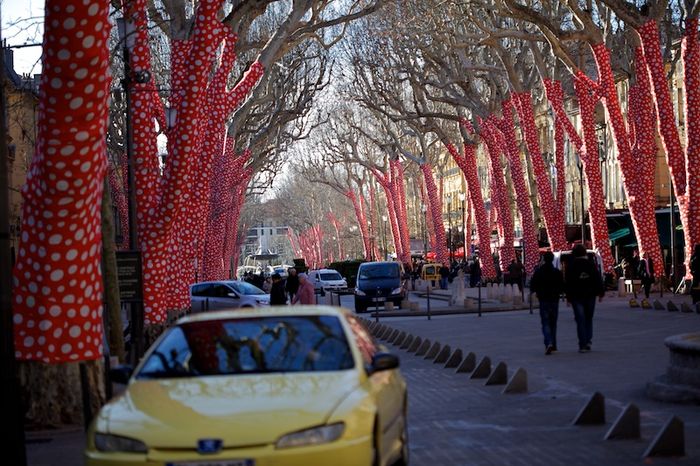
{"x": 292, "y": 284}
{"x": 642, "y": 272}
{"x": 582, "y": 279}
{"x": 277, "y": 294}
{"x": 547, "y": 282}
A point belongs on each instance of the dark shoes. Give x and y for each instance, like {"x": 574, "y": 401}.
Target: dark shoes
{"x": 549, "y": 349}
{"x": 584, "y": 349}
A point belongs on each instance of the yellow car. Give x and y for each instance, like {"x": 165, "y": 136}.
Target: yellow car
{"x": 261, "y": 387}
{"x": 431, "y": 271}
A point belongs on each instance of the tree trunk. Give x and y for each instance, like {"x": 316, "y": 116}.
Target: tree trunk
{"x": 435, "y": 207}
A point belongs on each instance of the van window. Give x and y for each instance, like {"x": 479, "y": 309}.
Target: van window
{"x": 329, "y": 276}
{"x": 377, "y": 271}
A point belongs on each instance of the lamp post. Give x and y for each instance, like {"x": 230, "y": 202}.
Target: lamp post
{"x": 579, "y": 164}
{"x": 386, "y": 249}
{"x": 424, "y": 209}
{"x": 463, "y": 199}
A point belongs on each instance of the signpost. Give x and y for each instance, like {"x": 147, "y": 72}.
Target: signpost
{"x": 131, "y": 293}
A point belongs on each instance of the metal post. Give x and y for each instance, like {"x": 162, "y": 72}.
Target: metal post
{"x": 376, "y": 306}
{"x": 85, "y": 391}
{"x": 479, "y": 300}
{"x": 428, "y": 288}
{"x": 672, "y": 273}
{"x": 12, "y": 419}
{"x": 583, "y": 204}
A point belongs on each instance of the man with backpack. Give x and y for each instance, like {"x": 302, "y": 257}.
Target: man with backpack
{"x": 548, "y": 283}
{"x": 583, "y": 283}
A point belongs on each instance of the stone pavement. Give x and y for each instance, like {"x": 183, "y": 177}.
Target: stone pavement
{"x": 455, "y": 420}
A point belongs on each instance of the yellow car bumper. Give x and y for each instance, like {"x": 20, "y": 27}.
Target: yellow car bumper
{"x": 355, "y": 452}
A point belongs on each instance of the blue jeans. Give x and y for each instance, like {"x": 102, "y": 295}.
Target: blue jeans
{"x": 549, "y": 312}
{"x": 443, "y": 283}
{"x": 583, "y": 313}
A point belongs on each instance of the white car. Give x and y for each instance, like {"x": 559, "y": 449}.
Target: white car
{"x": 226, "y": 294}
{"x": 327, "y": 280}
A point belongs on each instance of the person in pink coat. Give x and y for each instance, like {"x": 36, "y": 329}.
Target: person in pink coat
{"x": 305, "y": 294}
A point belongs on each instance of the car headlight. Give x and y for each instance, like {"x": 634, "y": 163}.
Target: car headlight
{"x": 313, "y": 436}
{"x": 359, "y": 292}
{"x": 397, "y": 290}
{"x": 113, "y": 443}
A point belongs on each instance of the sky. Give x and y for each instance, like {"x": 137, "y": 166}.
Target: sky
{"x": 22, "y": 23}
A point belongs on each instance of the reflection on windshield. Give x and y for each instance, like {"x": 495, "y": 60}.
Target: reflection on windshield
{"x": 379, "y": 271}
{"x": 251, "y": 346}
{"x": 331, "y": 276}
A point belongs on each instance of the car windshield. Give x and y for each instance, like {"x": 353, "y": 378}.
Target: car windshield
{"x": 250, "y": 346}
{"x": 379, "y": 271}
{"x": 246, "y": 288}
{"x": 330, "y": 276}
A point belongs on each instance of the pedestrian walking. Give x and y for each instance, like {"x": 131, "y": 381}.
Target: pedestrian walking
{"x": 305, "y": 294}
{"x": 646, "y": 273}
{"x": 292, "y": 284}
{"x": 582, "y": 284}
{"x": 695, "y": 272}
{"x": 278, "y": 295}
{"x": 548, "y": 284}
{"x": 444, "y": 276}
{"x": 475, "y": 273}
{"x": 516, "y": 273}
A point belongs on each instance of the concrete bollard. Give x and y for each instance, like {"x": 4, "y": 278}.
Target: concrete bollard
{"x": 621, "y": 292}
{"x": 406, "y": 304}
{"x": 400, "y": 339}
{"x": 626, "y": 426}
{"x": 407, "y": 342}
{"x": 670, "y": 441}
{"x": 593, "y": 412}
{"x": 388, "y": 305}
{"x": 489, "y": 291}
{"x": 468, "y": 364}
{"x": 686, "y": 308}
{"x": 455, "y": 360}
{"x": 433, "y": 351}
{"x": 671, "y": 306}
{"x": 658, "y": 305}
{"x": 423, "y": 348}
{"x": 483, "y": 369}
{"x": 415, "y": 344}
{"x": 499, "y": 375}
{"x": 517, "y": 383}
{"x": 443, "y": 355}
{"x": 415, "y": 306}
{"x": 469, "y": 304}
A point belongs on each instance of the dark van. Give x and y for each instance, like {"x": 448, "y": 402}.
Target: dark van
{"x": 378, "y": 282}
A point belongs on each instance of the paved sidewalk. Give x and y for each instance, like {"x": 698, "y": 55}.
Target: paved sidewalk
{"x": 455, "y": 420}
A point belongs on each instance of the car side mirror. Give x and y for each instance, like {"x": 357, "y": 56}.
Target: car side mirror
{"x": 383, "y": 362}
{"x": 121, "y": 374}
{"x": 233, "y": 295}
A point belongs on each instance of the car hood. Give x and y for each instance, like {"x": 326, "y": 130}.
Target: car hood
{"x": 240, "y": 410}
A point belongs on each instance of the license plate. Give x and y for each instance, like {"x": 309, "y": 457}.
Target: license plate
{"x": 245, "y": 462}
{"x": 380, "y": 300}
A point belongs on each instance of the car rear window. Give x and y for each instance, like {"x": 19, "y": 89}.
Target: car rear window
{"x": 250, "y": 346}
{"x": 331, "y": 276}
{"x": 247, "y": 289}
{"x": 377, "y": 271}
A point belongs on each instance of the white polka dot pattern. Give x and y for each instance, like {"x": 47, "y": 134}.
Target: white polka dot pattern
{"x": 504, "y": 130}
{"x": 57, "y": 293}
{"x": 554, "y": 224}
{"x": 435, "y": 207}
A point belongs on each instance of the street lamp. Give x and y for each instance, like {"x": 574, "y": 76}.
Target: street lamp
{"x": 463, "y": 199}
{"x": 386, "y": 251}
{"x": 579, "y": 164}
{"x": 424, "y": 209}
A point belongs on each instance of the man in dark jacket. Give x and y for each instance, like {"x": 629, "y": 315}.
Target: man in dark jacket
{"x": 548, "y": 283}
{"x": 444, "y": 275}
{"x": 646, "y": 273}
{"x": 278, "y": 296}
{"x": 292, "y": 284}
{"x": 583, "y": 283}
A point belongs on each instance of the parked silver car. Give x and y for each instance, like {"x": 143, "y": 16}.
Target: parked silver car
{"x": 226, "y": 294}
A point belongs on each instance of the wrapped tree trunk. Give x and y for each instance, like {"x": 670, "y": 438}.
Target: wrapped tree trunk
{"x": 435, "y": 208}
{"x": 508, "y": 145}
{"x": 499, "y": 198}
{"x": 361, "y": 223}
{"x": 554, "y": 224}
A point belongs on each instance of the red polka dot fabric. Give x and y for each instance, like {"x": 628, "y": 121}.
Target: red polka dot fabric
{"x": 691, "y": 70}
{"x": 587, "y": 94}
{"x": 504, "y": 130}
{"x": 467, "y": 163}
{"x": 554, "y": 224}
{"x": 57, "y": 282}
{"x": 435, "y": 209}
{"x": 361, "y": 221}
{"x": 385, "y": 181}
{"x": 499, "y": 195}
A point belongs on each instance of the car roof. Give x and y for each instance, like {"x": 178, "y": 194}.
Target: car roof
{"x": 289, "y": 311}
{"x": 323, "y": 270}
{"x": 217, "y": 282}
{"x": 380, "y": 262}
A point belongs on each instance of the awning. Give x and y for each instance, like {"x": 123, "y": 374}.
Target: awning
{"x": 617, "y": 234}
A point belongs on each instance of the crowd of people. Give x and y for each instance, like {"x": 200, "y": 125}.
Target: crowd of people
{"x": 296, "y": 288}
